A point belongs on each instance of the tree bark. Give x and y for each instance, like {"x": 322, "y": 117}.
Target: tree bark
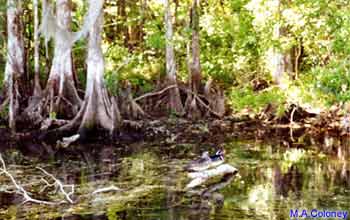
{"x": 60, "y": 84}
{"x": 98, "y": 109}
{"x": 196, "y": 75}
{"x": 15, "y": 65}
{"x": 195, "y": 66}
{"x": 122, "y": 27}
{"x": 174, "y": 103}
{"x": 281, "y": 60}
{"x": 37, "y": 87}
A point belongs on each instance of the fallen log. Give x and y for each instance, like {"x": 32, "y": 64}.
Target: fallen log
{"x": 198, "y": 178}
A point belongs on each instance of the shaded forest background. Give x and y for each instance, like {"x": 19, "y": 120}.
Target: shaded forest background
{"x": 258, "y": 52}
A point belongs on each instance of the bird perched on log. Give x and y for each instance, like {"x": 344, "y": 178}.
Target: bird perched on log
{"x": 206, "y": 161}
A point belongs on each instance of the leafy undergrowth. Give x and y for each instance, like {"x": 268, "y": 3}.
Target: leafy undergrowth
{"x": 302, "y": 92}
{"x": 245, "y": 99}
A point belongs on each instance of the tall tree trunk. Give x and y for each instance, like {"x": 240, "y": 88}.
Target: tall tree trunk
{"x": 174, "y": 103}
{"x": 195, "y": 66}
{"x": 98, "y": 109}
{"x": 281, "y": 60}
{"x": 14, "y": 71}
{"x": 60, "y": 86}
{"x": 122, "y": 26}
{"x": 37, "y": 87}
{"x": 143, "y": 16}
{"x": 196, "y": 75}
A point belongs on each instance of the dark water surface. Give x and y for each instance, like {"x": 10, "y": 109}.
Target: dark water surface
{"x": 271, "y": 181}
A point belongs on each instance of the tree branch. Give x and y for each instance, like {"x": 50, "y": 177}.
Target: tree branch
{"x": 20, "y": 190}
{"x": 26, "y": 195}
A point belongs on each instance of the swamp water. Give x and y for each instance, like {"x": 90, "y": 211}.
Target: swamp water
{"x": 272, "y": 180}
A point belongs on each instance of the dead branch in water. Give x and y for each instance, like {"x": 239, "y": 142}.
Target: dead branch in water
{"x": 57, "y": 183}
{"x": 26, "y": 195}
{"x": 19, "y": 189}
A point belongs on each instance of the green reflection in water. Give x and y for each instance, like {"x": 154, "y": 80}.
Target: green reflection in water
{"x": 272, "y": 180}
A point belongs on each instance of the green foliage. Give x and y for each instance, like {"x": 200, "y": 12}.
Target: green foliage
{"x": 236, "y": 39}
{"x": 243, "y": 98}
{"x": 53, "y": 115}
{"x": 4, "y": 112}
{"x": 333, "y": 80}
{"x": 156, "y": 40}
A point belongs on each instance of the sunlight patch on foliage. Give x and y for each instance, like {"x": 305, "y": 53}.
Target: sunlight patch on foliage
{"x": 242, "y": 99}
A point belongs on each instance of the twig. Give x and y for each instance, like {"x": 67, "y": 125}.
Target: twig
{"x": 154, "y": 93}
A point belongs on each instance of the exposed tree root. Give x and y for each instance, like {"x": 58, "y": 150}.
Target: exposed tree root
{"x": 193, "y": 104}
{"x": 48, "y": 123}
{"x": 174, "y": 104}
{"x": 191, "y": 107}
{"x": 94, "y": 114}
{"x": 215, "y": 97}
{"x": 129, "y": 106}
{"x": 46, "y": 108}
{"x": 98, "y": 109}
{"x": 63, "y": 101}
{"x": 154, "y": 93}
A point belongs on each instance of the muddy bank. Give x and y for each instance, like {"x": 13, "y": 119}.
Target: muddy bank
{"x": 304, "y": 129}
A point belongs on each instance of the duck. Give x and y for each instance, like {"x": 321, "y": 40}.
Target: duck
{"x": 206, "y": 161}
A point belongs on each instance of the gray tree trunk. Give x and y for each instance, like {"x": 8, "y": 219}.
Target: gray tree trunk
{"x": 60, "y": 84}
{"x": 196, "y": 65}
{"x": 281, "y": 60}
{"x": 195, "y": 77}
{"x": 14, "y": 71}
{"x": 98, "y": 109}
{"x": 175, "y": 103}
{"x": 37, "y": 87}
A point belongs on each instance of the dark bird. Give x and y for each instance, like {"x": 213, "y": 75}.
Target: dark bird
{"x": 206, "y": 161}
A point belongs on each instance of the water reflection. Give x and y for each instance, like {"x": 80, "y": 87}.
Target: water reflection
{"x": 289, "y": 182}
{"x": 273, "y": 180}
{"x": 205, "y": 200}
